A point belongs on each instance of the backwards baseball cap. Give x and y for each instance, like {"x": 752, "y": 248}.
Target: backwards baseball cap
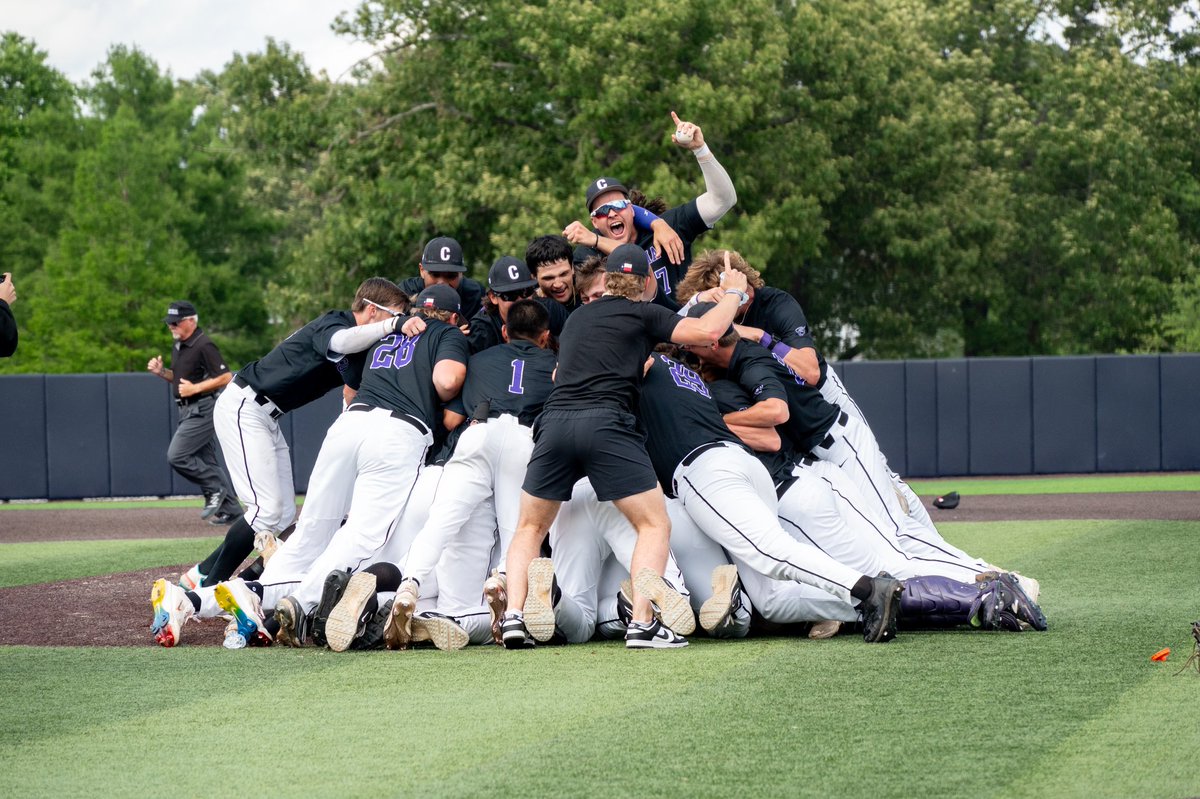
{"x": 443, "y": 254}
{"x": 509, "y": 274}
{"x": 438, "y": 297}
{"x": 178, "y": 311}
{"x": 601, "y": 185}
{"x": 628, "y": 259}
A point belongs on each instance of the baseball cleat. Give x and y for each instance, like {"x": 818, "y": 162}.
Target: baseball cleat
{"x": 331, "y": 594}
{"x": 824, "y": 629}
{"x": 671, "y": 606}
{"x": 347, "y": 616}
{"x": 654, "y": 635}
{"x": 725, "y": 584}
{"x": 293, "y": 622}
{"x": 372, "y": 633}
{"x": 398, "y": 632}
{"x": 190, "y": 580}
{"x": 515, "y": 635}
{"x": 1031, "y": 587}
{"x": 539, "y": 603}
{"x": 1020, "y": 605}
{"x": 625, "y": 603}
{"x": 495, "y": 591}
{"x": 442, "y": 631}
{"x": 236, "y": 599}
{"x": 171, "y": 609}
{"x": 266, "y": 543}
{"x": 881, "y": 610}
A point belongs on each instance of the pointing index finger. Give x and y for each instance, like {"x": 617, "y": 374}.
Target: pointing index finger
{"x": 675, "y": 119}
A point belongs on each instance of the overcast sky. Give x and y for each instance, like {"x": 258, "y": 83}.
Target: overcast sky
{"x": 182, "y": 36}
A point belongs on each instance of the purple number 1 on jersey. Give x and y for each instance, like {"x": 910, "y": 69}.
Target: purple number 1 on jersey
{"x": 518, "y": 373}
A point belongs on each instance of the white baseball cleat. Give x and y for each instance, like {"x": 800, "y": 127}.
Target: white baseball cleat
{"x": 725, "y": 584}
{"x": 443, "y": 631}
{"x": 539, "y": 603}
{"x": 190, "y": 580}
{"x": 495, "y": 591}
{"x": 398, "y": 633}
{"x": 347, "y": 615}
{"x": 171, "y": 609}
{"x": 236, "y": 599}
{"x": 821, "y": 630}
{"x": 671, "y": 606}
{"x": 266, "y": 543}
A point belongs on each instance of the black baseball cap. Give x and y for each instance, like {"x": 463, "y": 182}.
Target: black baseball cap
{"x": 509, "y": 274}
{"x": 177, "y": 311}
{"x": 443, "y": 254}
{"x": 438, "y": 297}
{"x": 701, "y": 308}
{"x": 628, "y": 259}
{"x": 601, "y": 185}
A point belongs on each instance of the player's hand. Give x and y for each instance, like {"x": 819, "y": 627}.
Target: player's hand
{"x": 576, "y": 233}
{"x": 732, "y": 278}
{"x": 186, "y": 388}
{"x": 711, "y": 295}
{"x": 155, "y": 365}
{"x": 666, "y": 240}
{"x": 413, "y": 325}
{"x": 682, "y": 127}
{"x": 465, "y": 328}
{"x": 8, "y": 292}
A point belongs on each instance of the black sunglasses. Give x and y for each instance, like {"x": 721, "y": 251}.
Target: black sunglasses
{"x": 517, "y": 294}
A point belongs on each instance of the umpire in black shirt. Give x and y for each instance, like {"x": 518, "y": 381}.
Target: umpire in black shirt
{"x": 197, "y": 374}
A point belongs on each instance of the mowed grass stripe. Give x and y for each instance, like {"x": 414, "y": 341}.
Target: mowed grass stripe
{"x": 29, "y": 563}
{"x": 1074, "y": 484}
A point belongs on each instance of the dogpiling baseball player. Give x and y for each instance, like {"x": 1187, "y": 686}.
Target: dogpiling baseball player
{"x": 442, "y": 263}
{"x": 509, "y": 281}
{"x": 321, "y": 356}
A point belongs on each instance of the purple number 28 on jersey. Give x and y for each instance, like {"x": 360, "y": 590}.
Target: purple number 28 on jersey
{"x": 394, "y": 351}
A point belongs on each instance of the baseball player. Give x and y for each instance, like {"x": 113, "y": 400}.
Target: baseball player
{"x": 197, "y": 374}
{"x": 588, "y": 428}
{"x": 509, "y": 280}
{"x": 505, "y": 389}
{"x": 549, "y": 261}
{"x": 321, "y": 356}
{"x": 589, "y": 280}
{"x": 442, "y": 262}
{"x": 608, "y": 204}
{"x": 8, "y": 324}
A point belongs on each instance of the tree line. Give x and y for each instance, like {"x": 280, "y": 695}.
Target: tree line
{"x": 930, "y": 179}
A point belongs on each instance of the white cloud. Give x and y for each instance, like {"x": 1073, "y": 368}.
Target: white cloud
{"x": 182, "y": 36}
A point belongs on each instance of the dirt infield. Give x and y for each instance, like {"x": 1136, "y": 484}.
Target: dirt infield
{"x": 113, "y": 610}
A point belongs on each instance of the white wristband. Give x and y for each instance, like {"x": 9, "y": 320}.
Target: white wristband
{"x": 703, "y": 150}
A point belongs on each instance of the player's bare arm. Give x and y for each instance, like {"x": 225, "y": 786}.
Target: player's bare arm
{"x": 448, "y": 377}
{"x": 759, "y": 439}
{"x": 189, "y": 389}
{"x": 712, "y": 325}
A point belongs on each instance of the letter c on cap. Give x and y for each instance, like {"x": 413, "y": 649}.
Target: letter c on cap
{"x": 513, "y": 273}
{"x": 601, "y": 184}
{"x": 445, "y": 255}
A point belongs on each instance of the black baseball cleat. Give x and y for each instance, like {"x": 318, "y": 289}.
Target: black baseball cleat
{"x": 1019, "y": 604}
{"x": 514, "y": 633}
{"x": 654, "y": 635}
{"x": 293, "y": 623}
{"x": 335, "y": 586}
{"x": 218, "y": 519}
{"x": 881, "y": 609}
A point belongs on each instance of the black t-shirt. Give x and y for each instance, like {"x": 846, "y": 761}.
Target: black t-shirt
{"x": 730, "y": 398}
{"x": 302, "y": 368}
{"x": 470, "y": 294}
{"x": 603, "y": 350}
{"x": 195, "y": 360}
{"x": 399, "y": 370}
{"x": 679, "y": 414}
{"x": 8, "y": 331}
{"x": 778, "y": 313}
{"x": 485, "y": 325}
{"x": 764, "y": 376}
{"x": 514, "y": 378}
{"x": 686, "y": 221}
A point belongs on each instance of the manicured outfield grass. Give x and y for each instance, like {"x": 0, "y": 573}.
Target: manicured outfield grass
{"x": 1078, "y": 484}
{"x": 50, "y": 561}
{"x": 1078, "y": 711}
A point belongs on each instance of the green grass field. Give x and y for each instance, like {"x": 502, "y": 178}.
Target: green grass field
{"x": 1077, "y": 711}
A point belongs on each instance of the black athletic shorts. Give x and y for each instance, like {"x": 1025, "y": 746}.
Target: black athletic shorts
{"x": 605, "y": 444}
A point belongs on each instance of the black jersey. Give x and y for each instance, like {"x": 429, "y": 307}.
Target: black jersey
{"x": 514, "y": 378}
{"x": 778, "y": 313}
{"x": 399, "y": 370}
{"x": 765, "y": 377}
{"x": 603, "y": 350}
{"x": 679, "y": 415}
{"x": 195, "y": 360}
{"x": 485, "y": 325}
{"x": 8, "y": 331}
{"x": 730, "y": 398}
{"x": 303, "y": 368}
{"x": 686, "y": 221}
{"x": 470, "y": 294}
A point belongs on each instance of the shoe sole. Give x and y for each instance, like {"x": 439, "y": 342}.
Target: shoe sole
{"x": 497, "y": 602}
{"x": 398, "y": 632}
{"x": 889, "y": 614}
{"x": 331, "y": 594}
{"x": 673, "y": 608}
{"x": 718, "y": 607}
{"x": 246, "y": 625}
{"x": 539, "y": 608}
{"x": 344, "y": 620}
{"x": 270, "y": 546}
{"x": 822, "y": 630}
{"x": 289, "y": 623}
{"x": 165, "y": 633}
{"x": 444, "y": 633}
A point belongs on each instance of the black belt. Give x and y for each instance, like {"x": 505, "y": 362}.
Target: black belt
{"x": 183, "y": 402}
{"x": 698, "y": 451}
{"x": 404, "y": 417}
{"x": 261, "y": 399}
{"x": 827, "y": 441}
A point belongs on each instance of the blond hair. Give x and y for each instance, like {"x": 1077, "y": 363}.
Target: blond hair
{"x": 631, "y": 287}
{"x": 705, "y": 273}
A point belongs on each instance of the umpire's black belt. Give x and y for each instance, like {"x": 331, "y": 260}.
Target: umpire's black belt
{"x": 404, "y": 417}
{"x": 261, "y": 399}
{"x": 828, "y": 440}
{"x": 183, "y": 402}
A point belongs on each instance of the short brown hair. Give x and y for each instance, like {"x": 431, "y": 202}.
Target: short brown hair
{"x": 586, "y": 273}
{"x": 631, "y": 287}
{"x": 382, "y": 291}
{"x": 705, "y": 273}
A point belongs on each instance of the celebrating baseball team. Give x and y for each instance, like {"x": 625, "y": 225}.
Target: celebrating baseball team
{"x": 612, "y": 439}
